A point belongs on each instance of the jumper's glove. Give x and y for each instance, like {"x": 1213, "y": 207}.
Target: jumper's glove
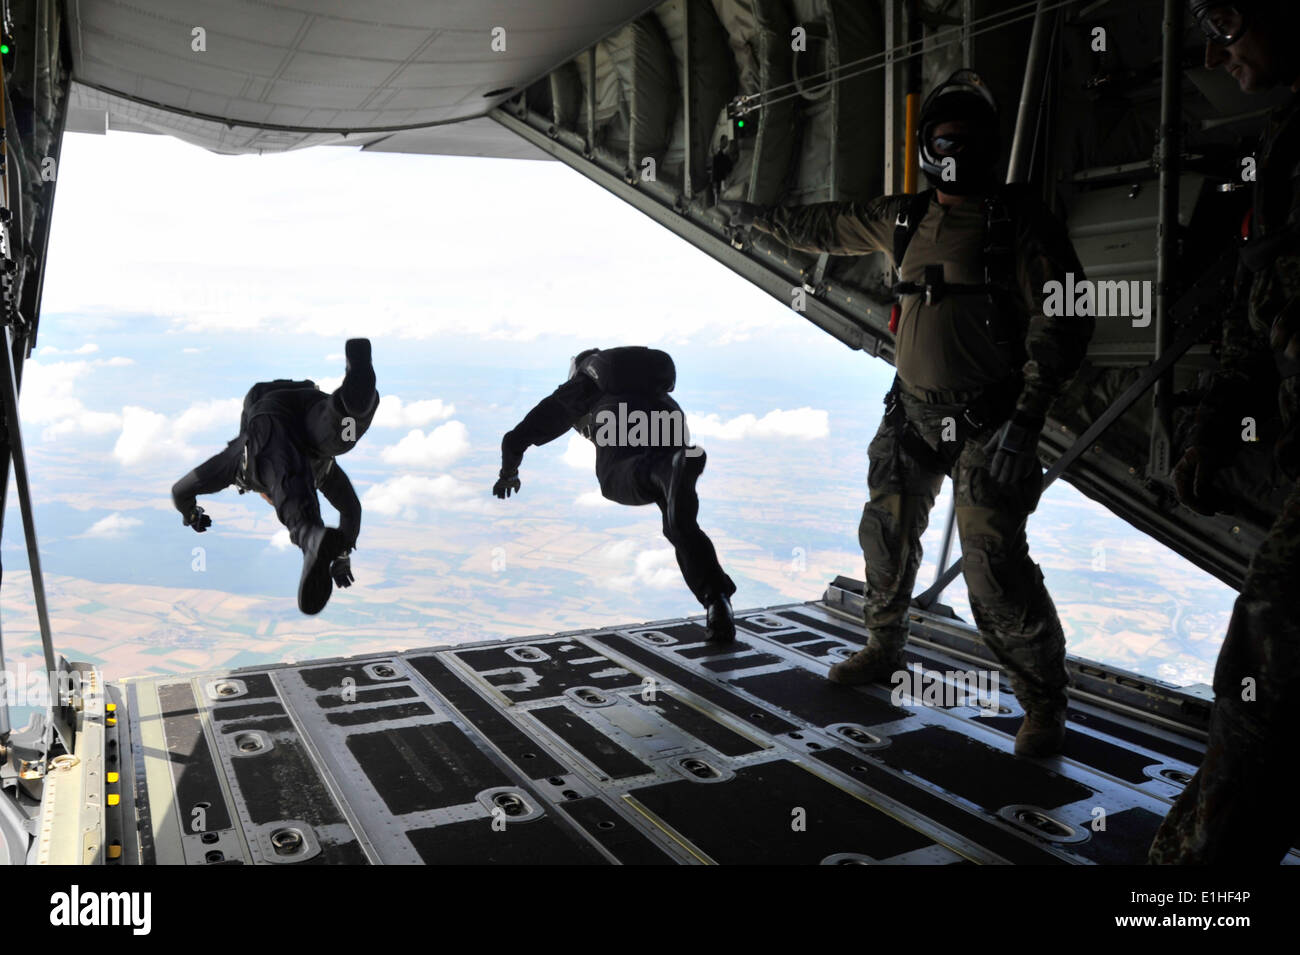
{"x": 1285, "y": 333}
{"x": 740, "y": 215}
{"x": 1194, "y": 481}
{"x": 197, "y": 519}
{"x": 341, "y": 570}
{"x": 507, "y": 481}
{"x": 1014, "y": 448}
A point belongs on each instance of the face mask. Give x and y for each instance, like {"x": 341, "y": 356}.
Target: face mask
{"x": 973, "y": 167}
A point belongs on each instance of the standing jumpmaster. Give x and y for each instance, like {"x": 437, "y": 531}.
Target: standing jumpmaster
{"x": 979, "y": 364}
{"x": 290, "y": 432}
{"x": 617, "y": 398}
{"x": 1239, "y": 808}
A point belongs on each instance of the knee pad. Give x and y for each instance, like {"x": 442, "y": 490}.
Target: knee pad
{"x": 993, "y": 576}
{"x": 877, "y": 535}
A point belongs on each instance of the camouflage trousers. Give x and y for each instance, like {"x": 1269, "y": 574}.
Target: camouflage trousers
{"x": 1015, "y": 615}
{"x": 1239, "y": 807}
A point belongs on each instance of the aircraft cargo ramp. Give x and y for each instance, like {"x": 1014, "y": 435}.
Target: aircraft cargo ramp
{"x": 640, "y": 745}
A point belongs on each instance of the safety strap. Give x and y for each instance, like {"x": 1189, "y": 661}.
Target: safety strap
{"x": 241, "y": 472}
{"x": 998, "y": 252}
{"x": 908, "y": 438}
{"x": 907, "y": 222}
{"x": 993, "y": 406}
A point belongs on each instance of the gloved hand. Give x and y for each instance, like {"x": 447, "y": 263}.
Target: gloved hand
{"x": 1014, "y": 448}
{"x": 1194, "y": 481}
{"x": 341, "y": 570}
{"x": 507, "y": 481}
{"x": 197, "y": 519}
{"x": 740, "y": 215}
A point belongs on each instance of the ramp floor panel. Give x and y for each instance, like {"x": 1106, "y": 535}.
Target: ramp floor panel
{"x": 644, "y": 745}
{"x": 779, "y": 813}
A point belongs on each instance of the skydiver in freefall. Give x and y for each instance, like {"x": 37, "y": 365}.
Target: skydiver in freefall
{"x": 290, "y": 432}
{"x": 618, "y": 399}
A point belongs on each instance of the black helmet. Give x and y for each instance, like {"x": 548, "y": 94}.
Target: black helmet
{"x": 963, "y": 96}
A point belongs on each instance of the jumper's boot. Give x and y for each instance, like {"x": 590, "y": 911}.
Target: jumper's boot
{"x": 720, "y": 623}
{"x": 1043, "y": 731}
{"x": 320, "y": 545}
{"x": 874, "y": 663}
{"x": 358, "y": 388}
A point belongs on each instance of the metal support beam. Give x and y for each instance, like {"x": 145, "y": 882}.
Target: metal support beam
{"x": 591, "y": 101}
{"x": 1170, "y": 165}
{"x": 1031, "y": 97}
{"x": 687, "y": 74}
{"x": 891, "y": 94}
{"x": 967, "y": 47}
{"x": 945, "y": 549}
{"x": 915, "y": 36}
{"x": 9, "y": 395}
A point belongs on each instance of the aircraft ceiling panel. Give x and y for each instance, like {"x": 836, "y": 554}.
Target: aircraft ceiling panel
{"x": 319, "y": 68}
{"x": 474, "y": 137}
{"x": 93, "y": 111}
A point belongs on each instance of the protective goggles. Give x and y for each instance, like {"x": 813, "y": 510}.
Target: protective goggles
{"x": 950, "y": 144}
{"x": 1222, "y": 25}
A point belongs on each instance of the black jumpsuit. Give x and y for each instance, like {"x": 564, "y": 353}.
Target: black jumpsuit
{"x": 292, "y": 437}
{"x": 627, "y": 474}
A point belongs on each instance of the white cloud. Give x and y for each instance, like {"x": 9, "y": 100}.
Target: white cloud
{"x": 593, "y": 499}
{"x": 146, "y": 436}
{"x": 149, "y": 436}
{"x": 620, "y": 550}
{"x": 280, "y": 540}
{"x": 579, "y": 452}
{"x": 87, "y": 422}
{"x": 48, "y": 399}
{"x": 329, "y": 385}
{"x": 218, "y": 277}
{"x": 393, "y": 413}
{"x": 117, "y": 361}
{"x": 87, "y": 349}
{"x": 804, "y": 424}
{"x": 222, "y": 413}
{"x": 656, "y": 569}
{"x": 407, "y": 495}
{"x": 115, "y": 525}
{"x": 437, "y": 449}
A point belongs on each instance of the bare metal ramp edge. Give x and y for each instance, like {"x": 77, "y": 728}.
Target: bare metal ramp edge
{"x": 637, "y": 745}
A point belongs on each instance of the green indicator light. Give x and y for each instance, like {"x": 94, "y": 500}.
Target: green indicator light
{"x": 739, "y": 122}
{"x": 4, "y": 48}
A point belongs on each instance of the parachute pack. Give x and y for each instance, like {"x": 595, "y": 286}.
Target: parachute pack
{"x": 264, "y": 388}
{"x": 632, "y": 370}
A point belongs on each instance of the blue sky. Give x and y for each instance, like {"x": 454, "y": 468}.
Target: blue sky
{"x": 177, "y": 278}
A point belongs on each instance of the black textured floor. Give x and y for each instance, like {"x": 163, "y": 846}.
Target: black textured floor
{"x": 648, "y": 746}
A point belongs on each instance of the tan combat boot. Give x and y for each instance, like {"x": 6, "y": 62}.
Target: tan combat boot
{"x": 1042, "y": 733}
{"x": 874, "y": 663}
